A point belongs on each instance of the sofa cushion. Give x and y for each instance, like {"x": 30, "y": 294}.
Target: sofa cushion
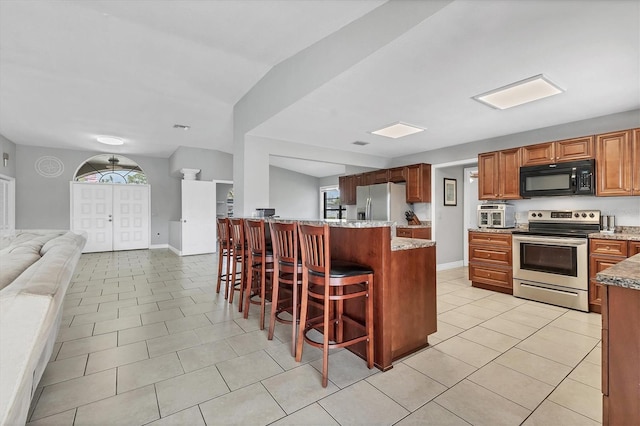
{"x": 22, "y": 252}
{"x": 14, "y": 264}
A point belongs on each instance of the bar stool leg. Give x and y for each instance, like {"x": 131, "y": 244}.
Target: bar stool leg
{"x": 303, "y": 317}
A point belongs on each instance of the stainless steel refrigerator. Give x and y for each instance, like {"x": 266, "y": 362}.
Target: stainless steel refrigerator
{"x": 385, "y": 201}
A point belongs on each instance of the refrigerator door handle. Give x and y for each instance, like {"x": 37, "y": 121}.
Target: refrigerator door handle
{"x": 368, "y": 211}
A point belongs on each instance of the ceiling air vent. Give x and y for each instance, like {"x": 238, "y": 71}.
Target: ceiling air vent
{"x": 360, "y": 143}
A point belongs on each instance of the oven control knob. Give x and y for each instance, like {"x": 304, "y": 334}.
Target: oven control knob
{"x": 591, "y": 215}
{"x": 533, "y": 215}
{"x": 577, "y": 215}
{"x": 539, "y": 214}
{"x": 584, "y": 215}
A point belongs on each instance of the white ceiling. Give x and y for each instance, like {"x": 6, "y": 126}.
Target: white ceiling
{"x": 70, "y": 70}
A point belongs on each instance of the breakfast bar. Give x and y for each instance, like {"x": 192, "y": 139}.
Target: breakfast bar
{"x": 404, "y": 285}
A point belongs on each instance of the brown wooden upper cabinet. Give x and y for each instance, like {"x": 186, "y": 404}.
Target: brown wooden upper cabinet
{"x": 380, "y": 176}
{"x": 618, "y": 163}
{"x": 347, "y": 186}
{"x": 397, "y": 174}
{"x": 499, "y": 175}
{"x": 418, "y": 183}
{"x": 559, "y": 151}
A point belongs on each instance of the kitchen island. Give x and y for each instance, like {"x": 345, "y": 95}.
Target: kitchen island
{"x": 621, "y": 342}
{"x": 404, "y": 285}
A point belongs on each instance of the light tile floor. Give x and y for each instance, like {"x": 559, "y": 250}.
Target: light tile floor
{"x": 145, "y": 339}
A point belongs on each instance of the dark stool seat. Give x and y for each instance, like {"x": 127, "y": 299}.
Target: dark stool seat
{"x": 342, "y": 269}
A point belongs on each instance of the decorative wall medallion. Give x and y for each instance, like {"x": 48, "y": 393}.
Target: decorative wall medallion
{"x": 49, "y": 167}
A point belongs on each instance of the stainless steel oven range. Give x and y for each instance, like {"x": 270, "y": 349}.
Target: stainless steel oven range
{"x": 550, "y": 260}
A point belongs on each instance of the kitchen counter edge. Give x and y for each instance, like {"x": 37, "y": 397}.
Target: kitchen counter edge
{"x": 623, "y": 274}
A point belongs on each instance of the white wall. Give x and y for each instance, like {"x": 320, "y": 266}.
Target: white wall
{"x": 448, "y": 219}
{"x": 8, "y": 147}
{"x": 293, "y": 195}
{"x": 213, "y": 164}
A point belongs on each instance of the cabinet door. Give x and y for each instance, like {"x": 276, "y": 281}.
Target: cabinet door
{"x": 346, "y": 184}
{"x": 636, "y": 162}
{"x": 542, "y": 153}
{"x": 613, "y": 159}
{"x": 414, "y": 183}
{"x": 575, "y": 149}
{"x": 634, "y": 248}
{"x": 418, "y": 183}
{"x": 397, "y": 174}
{"x": 509, "y": 174}
{"x": 488, "y": 179}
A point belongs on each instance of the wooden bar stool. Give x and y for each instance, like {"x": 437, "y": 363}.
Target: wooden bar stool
{"x": 239, "y": 247}
{"x": 259, "y": 266}
{"x": 287, "y": 272}
{"x": 225, "y": 252}
{"x": 332, "y": 282}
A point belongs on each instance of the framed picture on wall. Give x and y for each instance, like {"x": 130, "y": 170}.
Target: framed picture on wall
{"x": 450, "y": 192}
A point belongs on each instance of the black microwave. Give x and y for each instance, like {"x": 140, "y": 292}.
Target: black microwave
{"x": 571, "y": 178}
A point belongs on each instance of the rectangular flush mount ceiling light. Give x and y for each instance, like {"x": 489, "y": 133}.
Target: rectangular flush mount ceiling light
{"x": 521, "y": 92}
{"x": 397, "y": 130}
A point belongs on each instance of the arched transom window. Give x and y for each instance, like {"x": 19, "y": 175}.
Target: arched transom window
{"x": 110, "y": 168}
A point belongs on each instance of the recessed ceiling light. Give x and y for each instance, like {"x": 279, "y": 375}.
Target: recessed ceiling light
{"x": 181, "y": 126}
{"x": 521, "y": 92}
{"x": 109, "y": 140}
{"x": 398, "y": 130}
{"x": 360, "y": 143}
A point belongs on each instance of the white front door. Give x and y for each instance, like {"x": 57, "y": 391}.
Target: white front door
{"x": 130, "y": 217}
{"x": 198, "y": 217}
{"x": 91, "y": 212}
{"x": 115, "y": 217}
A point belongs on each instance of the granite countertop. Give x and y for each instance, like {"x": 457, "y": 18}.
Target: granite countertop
{"x": 401, "y": 243}
{"x": 337, "y": 223}
{"x": 495, "y": 230}
{"x": 629, "y": 233}
{"x": 623, "y": 274}
{"x": 424, "y": 224}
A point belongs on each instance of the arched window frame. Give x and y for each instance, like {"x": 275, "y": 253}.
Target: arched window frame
{"x": 103, "y": 168}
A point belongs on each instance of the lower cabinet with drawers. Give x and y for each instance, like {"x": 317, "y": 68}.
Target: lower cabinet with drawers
{"x": 604, "y": 253}
{"x": 490, "y": 262}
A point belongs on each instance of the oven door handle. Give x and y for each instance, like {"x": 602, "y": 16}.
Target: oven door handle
{"x": 552, "y": 241}
{"x": 568, "y": 293}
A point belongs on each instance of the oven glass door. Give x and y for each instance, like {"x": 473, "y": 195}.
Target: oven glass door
{"x": 552, "y": 259}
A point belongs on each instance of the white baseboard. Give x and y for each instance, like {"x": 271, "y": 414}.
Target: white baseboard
{"x": 158, "y": 246}
{"x": 175, "y": 250}
{"x": 450, "y": 265}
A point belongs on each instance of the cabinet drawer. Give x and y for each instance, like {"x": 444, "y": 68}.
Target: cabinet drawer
{"x": 497, "y": 277}
{"x": 634, "y": 248}
{"x": 612, "y": 247}
{"x": 490, "y": 238}
{"x": 483, "y": 254}
{"x": 403, "y": 232}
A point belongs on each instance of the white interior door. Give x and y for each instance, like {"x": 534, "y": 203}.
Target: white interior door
{"x": 130, "y": 217}
{"x": 198, "y": 217}
{"x": 92, "y": 212}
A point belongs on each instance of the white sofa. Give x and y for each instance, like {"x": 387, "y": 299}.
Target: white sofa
{"x": 36, "y": 268}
